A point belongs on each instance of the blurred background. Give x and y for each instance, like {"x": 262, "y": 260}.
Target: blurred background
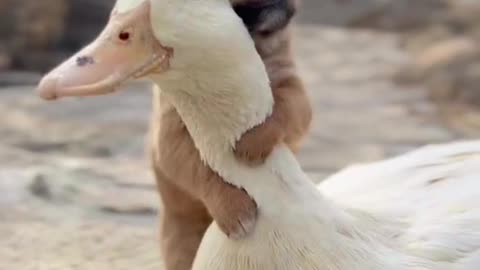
{"x": 385, "y": 76}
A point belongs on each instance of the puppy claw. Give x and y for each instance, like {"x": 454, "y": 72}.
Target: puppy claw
{"x": 234, "y": 211}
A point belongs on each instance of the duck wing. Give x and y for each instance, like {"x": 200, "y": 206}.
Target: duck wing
{"x": 435, "y": 190}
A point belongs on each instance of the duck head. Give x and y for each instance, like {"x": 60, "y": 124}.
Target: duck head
{"x": 198, "y": 52}
{"x": 139, "y": 40}
{"x": 125, "y": 49}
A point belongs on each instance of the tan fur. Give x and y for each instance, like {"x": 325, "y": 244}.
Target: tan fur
{"x": 191, "y": 192}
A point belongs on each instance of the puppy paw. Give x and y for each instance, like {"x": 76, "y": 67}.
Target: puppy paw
{"x": 257, "y": 144}
{"x": 234, "y": 211}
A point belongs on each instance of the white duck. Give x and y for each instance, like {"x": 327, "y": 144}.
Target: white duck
{"x": 419, "y": 211}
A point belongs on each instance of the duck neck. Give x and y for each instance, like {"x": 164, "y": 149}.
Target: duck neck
{"x": 219, "y": 109}
{"x": 216, "y": 114}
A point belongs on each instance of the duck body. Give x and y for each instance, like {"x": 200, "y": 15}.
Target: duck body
{"x": 344, "y": 223}
{"x": 417, "y": 211}
{"x": 420, "y": 211}
{"x": 434, "y": 191}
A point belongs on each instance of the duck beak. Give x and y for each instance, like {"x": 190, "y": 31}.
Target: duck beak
{"x": 126, "y": 49}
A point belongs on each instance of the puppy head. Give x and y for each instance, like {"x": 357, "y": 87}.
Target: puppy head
{"x": 265, "y": 17}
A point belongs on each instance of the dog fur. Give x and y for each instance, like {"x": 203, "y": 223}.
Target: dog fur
{"x": 192, "y": 194}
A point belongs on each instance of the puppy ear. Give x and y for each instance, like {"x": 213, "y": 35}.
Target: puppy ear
{"x": 265, "y": 17}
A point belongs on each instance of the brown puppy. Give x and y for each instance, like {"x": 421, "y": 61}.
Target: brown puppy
{"x": 191, "y": 192}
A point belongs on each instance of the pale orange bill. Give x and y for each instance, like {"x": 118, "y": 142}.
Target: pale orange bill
{"x": 126, "y": 49}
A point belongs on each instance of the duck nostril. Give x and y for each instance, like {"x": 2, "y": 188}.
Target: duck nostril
{"x": 124, "y": 36}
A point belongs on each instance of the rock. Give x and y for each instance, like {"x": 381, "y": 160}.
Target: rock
{"x": 420, "y": 40}
{"x": 84, "y": 20}
{"x": 446, "y": 59}
{"x": 438, "y": 56}
{"x": 451, "y": 72}
{"x": 378, "y": 14}
{"x": 129, "y": 210}
{"x": 30, "y": 26}
{"x": 5, "y": 61}
{"x": 40, "y": 188}
{"x": 457, "y": 83}
{"x": 38, "y": 34}
{"x": 33, "y": 24}
{"x": 13, "y": 78}
{"x": 390, "y": 15}
{"x": 402, "y": 14}
{"x": 471, "y": 84}
{"x": 336, "y": 12}
{"x": 39, "y": 24}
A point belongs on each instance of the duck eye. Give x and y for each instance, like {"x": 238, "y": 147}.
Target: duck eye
{"x": 124, "y": 36}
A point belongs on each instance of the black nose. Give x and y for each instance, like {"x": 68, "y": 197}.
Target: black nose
{"x": 265, "y": 17}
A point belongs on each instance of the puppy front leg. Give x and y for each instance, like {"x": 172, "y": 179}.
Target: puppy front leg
{"x": 183, "y": 223}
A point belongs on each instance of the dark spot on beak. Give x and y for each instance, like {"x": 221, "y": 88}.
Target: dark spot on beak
{"x": 85, "y": 60}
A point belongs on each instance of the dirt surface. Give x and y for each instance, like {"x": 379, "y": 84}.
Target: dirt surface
{"x": 76, "y": 189}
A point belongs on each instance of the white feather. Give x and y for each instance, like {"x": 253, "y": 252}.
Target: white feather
{"x": 122, "y": 6}
{"x": 420, "y": 211}
{"x": 436, "y": 190}
{"x": 417, "y": 211}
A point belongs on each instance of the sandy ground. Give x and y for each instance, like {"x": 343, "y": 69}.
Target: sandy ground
{"x": 76, "y": 192}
